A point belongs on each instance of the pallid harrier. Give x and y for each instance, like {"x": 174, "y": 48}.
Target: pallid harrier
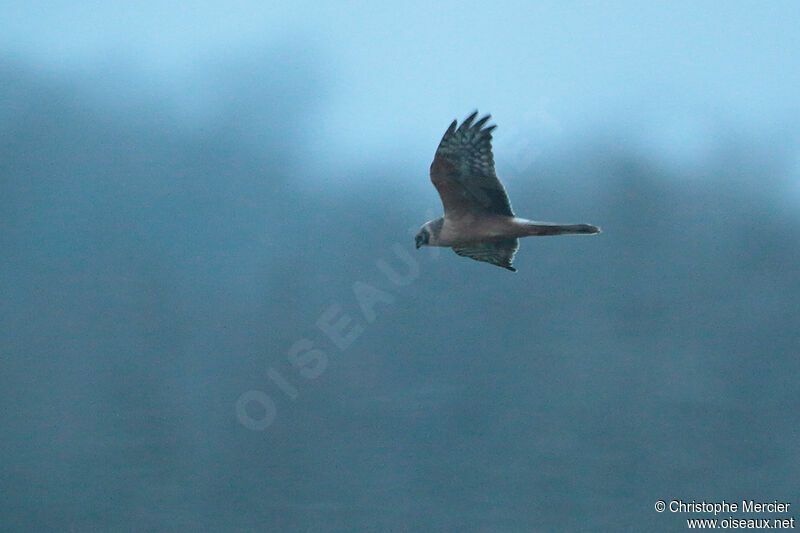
{"x": 478, "y": 222}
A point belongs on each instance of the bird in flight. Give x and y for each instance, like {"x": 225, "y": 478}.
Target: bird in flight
{"x": 478, "y": 221}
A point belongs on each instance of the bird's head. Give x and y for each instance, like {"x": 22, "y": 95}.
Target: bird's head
{"x": 428, "y": 234}
{"x": 423, "y": 237}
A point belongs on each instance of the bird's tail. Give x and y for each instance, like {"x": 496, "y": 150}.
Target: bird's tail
{"x": 546, "y": 228}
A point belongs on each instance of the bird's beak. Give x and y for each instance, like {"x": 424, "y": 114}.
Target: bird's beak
{"x": 417, "y": 244}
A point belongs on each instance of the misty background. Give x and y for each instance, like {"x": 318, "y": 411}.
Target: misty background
{"x": 185, "y": 190}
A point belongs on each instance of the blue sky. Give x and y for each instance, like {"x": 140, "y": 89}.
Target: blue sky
{"x": 396, "y": 73}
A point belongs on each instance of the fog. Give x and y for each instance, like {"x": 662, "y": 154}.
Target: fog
{"x": 187, "y": 239}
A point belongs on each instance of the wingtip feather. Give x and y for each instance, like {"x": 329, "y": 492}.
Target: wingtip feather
{"x": 468, "y": 121}
{"x": 481, "y": 122}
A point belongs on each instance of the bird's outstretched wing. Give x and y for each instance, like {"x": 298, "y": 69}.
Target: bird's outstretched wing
{"x": 463, "y": 171}
{"x": 500, "y": 253}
